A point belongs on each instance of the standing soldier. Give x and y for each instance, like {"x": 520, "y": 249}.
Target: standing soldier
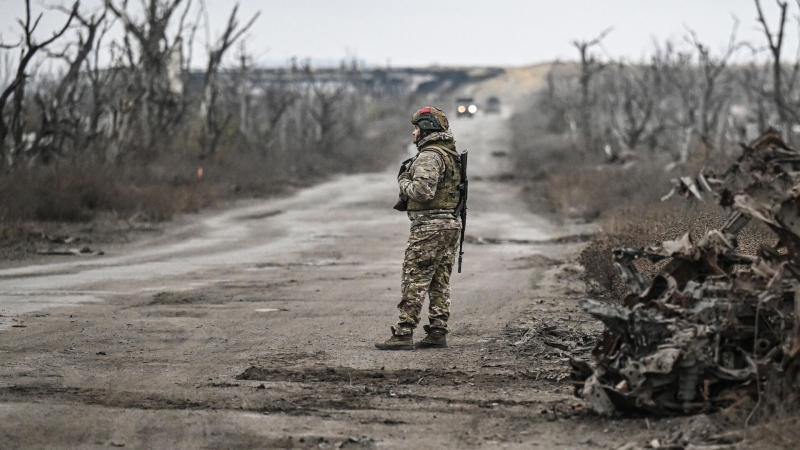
{"x": 429, "y": 193}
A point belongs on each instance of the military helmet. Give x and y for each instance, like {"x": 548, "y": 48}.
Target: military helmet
{"x": 430, "y": 118}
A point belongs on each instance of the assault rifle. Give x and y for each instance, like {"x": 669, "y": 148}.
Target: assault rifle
{"x": 461, "y": 207}
{"x": 402, "y": 202}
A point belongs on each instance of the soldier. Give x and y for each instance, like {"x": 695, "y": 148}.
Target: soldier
{"x": 430, "y": 187}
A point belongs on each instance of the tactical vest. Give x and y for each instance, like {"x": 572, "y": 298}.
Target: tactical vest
{"x": 447, "y": 194}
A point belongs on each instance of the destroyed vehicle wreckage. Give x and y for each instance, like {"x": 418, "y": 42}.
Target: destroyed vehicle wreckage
{"x": 713, "y": 324}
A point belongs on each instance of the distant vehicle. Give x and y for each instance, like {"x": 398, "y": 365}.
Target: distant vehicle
{"x": 492, "y": 106}
{"x": 466, "y": 106}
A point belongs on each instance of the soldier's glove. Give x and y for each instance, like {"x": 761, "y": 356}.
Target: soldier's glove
{"x": 402, "y": 203}
{"x": 404, "y": 166}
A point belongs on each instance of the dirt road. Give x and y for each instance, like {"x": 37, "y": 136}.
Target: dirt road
{"x": 254, "y": 328}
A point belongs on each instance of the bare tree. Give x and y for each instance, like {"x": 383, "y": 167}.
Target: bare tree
{"x": 753, "y": 80}
{"x": 324, "y": 110}
{"x": 679, "y": 105}
{"x": 61, "y": 125}
{"x": 263, "y": 113}
{"x": 217, "y": 121}
{"x": 28, "y": 48}
{"x": 100, "y": 82}
{"x": 154, "y": 104}
{"x": 631, "y": 98}
{"x": 714, "y": 96}
{"x": 783, "y": 88}
{"x": 590, "y": 67}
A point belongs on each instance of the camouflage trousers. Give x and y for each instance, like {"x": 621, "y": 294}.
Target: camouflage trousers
{"x": 426, "y": 270}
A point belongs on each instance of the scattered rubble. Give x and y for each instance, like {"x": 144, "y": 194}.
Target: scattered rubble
{"x": 714, "y": 328}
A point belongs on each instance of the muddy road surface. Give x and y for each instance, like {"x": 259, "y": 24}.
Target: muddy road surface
{"x": 254, "y": 328}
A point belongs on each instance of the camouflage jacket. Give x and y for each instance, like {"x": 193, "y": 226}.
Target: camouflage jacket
{"x": 426, "y": 171}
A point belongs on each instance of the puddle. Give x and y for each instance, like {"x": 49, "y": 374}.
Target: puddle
{"x": 267, "y": 310}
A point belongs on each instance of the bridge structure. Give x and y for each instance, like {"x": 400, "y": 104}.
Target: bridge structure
{"x": 379, "y": 81}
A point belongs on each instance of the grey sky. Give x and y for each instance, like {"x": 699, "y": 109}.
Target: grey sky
{"x": 463, "y": 32}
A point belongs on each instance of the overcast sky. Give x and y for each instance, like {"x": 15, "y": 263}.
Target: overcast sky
{"x": 461, "y": 32}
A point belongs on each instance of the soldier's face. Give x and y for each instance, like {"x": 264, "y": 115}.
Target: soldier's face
{"x": 415, "y": 133}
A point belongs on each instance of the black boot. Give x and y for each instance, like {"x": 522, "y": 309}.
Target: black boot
{"x": 397, "y": 342}
{"x": 436, "y": 338}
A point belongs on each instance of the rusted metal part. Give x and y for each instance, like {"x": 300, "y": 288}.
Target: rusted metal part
{"x": 698, "y": 335}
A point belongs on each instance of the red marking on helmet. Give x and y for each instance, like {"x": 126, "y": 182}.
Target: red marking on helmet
{"x": 425, "y": 110}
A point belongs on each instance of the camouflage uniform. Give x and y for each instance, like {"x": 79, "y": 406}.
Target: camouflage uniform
{"x": 434, "y": 238}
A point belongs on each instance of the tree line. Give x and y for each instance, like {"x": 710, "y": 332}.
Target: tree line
{"x": 115, "y": 85}
{"x": 684, "y": 100}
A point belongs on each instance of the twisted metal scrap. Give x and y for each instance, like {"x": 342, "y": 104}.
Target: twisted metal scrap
{"x": 702, "y": 333}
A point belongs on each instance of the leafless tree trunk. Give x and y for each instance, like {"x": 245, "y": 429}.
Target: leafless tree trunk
{"x": 100, "y": 86}
{"x": 590, "y": 67}
{"x": 62, "y": 125}
{"x": 715, "y": 97}
{"x": 753, "y": 80}
{"x": 679, "y": 101}
{"x": 157, "y": 107}
{"x": 15, "y": 91}
{"x": 216, "y": 121}
{"x": 781, "y": 91}
{"x": 325, "y": 110}
{"x": 264, "y": 113}
{"x": 631, "y": 102}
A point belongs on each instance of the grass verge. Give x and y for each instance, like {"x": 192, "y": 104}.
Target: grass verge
{"x": 101, "y": 202}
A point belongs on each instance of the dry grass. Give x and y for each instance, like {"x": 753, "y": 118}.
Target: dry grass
{"x": 36, "y": 202}
{"x": 623, "y": 199}
{"x": 79, "y": 192}
{"x": 16, "y": 233}
{"x": 781, "y": 434}
{"x": 76, "y": 196}
{"x": 592, "y": 192}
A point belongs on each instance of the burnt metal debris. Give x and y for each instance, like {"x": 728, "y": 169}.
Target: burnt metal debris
{"x": 714, "y": 326}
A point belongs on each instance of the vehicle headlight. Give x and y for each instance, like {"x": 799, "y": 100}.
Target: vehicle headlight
{"x": 462, "y": 109}
{"x": 472, "y": 109}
